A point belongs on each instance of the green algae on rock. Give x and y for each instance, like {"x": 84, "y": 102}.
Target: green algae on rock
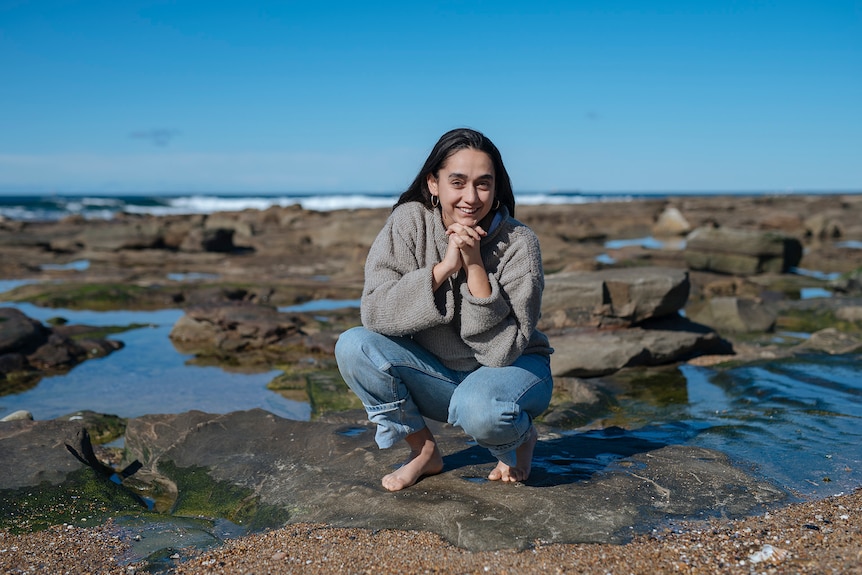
{"x": 199, "y": 495}
{"x": 83, "y": 499}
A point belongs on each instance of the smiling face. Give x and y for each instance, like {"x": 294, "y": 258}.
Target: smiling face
{"x": 465, "y": 186}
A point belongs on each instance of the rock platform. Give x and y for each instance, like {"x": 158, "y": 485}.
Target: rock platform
{"x": 266, "y": 471}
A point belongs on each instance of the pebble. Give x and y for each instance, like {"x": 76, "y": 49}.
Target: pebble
{"x": 732, "y": 547}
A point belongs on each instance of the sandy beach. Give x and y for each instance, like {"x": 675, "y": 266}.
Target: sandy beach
{"x": 823, "y": 536}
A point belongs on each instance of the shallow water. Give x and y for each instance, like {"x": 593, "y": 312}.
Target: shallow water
{"x": 147, "y": 376}
{"x": 797, "y": 421}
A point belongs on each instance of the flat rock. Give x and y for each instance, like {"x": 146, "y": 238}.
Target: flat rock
{"x": 734, "y": 315}
{"x": 233, "y": 327}
{"x": 831, "y": 341}
{"x": 33, "y": 452}
{"x": 596, "y": 352}
{"x": 590, "y": 487}
{"x": 741, "y": 251}
{"x": 613, "y": 297}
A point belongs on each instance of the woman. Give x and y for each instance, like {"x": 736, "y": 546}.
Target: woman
{"x": 453, "y": 289}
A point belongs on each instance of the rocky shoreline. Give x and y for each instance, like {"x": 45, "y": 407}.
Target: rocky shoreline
{"x": 630, "y": 285}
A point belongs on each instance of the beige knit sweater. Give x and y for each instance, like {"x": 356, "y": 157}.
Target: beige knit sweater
{"x": 463, "y": 331}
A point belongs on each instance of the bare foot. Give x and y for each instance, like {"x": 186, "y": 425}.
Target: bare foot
{"x": 425, "y": 459}
{"x": 524, "y": 457}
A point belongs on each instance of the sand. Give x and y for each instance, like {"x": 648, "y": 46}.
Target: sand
{"x": 823, "y": 536}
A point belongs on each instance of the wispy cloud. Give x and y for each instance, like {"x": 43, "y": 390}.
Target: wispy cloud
{"x": 160, "y": 137}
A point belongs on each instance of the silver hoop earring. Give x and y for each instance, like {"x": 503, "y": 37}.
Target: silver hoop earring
{"x": 433, "y": 203}
{"x": 497, "y": 205}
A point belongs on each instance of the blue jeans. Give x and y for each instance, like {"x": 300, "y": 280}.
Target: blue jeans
{"x": 400, "y": 383}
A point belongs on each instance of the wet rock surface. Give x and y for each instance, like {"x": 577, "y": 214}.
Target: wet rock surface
{"x": 589, "y": 487}
{"x": 29, "y": 350}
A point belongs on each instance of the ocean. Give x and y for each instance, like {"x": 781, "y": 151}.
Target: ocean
{"x": 95, "y": 206}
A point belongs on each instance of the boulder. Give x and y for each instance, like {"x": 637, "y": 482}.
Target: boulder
{"x": 229, "y": 221}
{"x": 26, "y": 346}
{"x": 671, "y": 222}
{"x": 218, "y": 240}
{"x": 20, "y": 415}
{"x": 741, "y": 252}
{"x": 831, "y": 341}
{"x": 19, "y": 333}
{"x": 35, "y": 451}
{"x": 784, "y": 221}
{"x": 175, "y": 232}
{"x": 123, "y": 235}
{"x": 851, "y": 284}
{"x": 592, "y": 352}
{"x": 824, "y": 226}
{"x": 234, "y": 328}
{"x": 576, "y": 402}
{"x": 612, "y": 297}
{"x": 734, "y": 315}
{"x": 850, "y": 313}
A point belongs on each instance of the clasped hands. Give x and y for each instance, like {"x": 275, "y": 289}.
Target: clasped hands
{"x": 463, "y": 254}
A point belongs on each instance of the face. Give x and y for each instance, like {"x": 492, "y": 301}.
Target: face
{"x": 465, "y": 187}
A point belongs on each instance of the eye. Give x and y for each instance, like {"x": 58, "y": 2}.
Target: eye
{"x": 484, "y": 185}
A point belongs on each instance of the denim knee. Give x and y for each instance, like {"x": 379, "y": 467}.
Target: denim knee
{"x": 348, "y": 343}
{"x": 367, "y": 372}
{"x": 492, "y": 423}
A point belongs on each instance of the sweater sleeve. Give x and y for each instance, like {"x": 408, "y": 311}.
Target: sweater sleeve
{"x": 398, "y": 298}
{"x": 499, "y": 328}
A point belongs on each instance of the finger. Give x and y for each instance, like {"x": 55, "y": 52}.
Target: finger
{"x": 471, "y": 233}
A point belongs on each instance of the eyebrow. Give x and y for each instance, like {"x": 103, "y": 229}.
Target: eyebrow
{"x": 464, "y": 176}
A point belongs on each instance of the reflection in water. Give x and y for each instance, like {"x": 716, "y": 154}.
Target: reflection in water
{"x": 191, "y": 276}
{"x": 77, "y": 265}
{"x": 321, "y": 305}
{"x": 797, "y": 420}
{"x": 815, "y": 274}
{"x": 648, "y": 243}
{"x": 9, "y": 285}
{"x": 147, "y": 376}
{"x": 814, "y": 292}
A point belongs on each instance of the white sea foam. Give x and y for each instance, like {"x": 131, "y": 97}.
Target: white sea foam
{"x": 212, "y": 204}
{"x": 105, "y": 207}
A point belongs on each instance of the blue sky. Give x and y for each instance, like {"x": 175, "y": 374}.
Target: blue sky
{"x": 598, "y": 95}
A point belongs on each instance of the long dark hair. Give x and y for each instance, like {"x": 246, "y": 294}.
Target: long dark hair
{"x": 448, "y": 144}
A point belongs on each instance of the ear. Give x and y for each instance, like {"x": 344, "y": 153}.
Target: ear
{"x": 432, "y": 184}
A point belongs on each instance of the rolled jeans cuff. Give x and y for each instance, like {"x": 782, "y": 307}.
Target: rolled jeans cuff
{"x": 507, "y": 453}
{"x": 392, "y": 422}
